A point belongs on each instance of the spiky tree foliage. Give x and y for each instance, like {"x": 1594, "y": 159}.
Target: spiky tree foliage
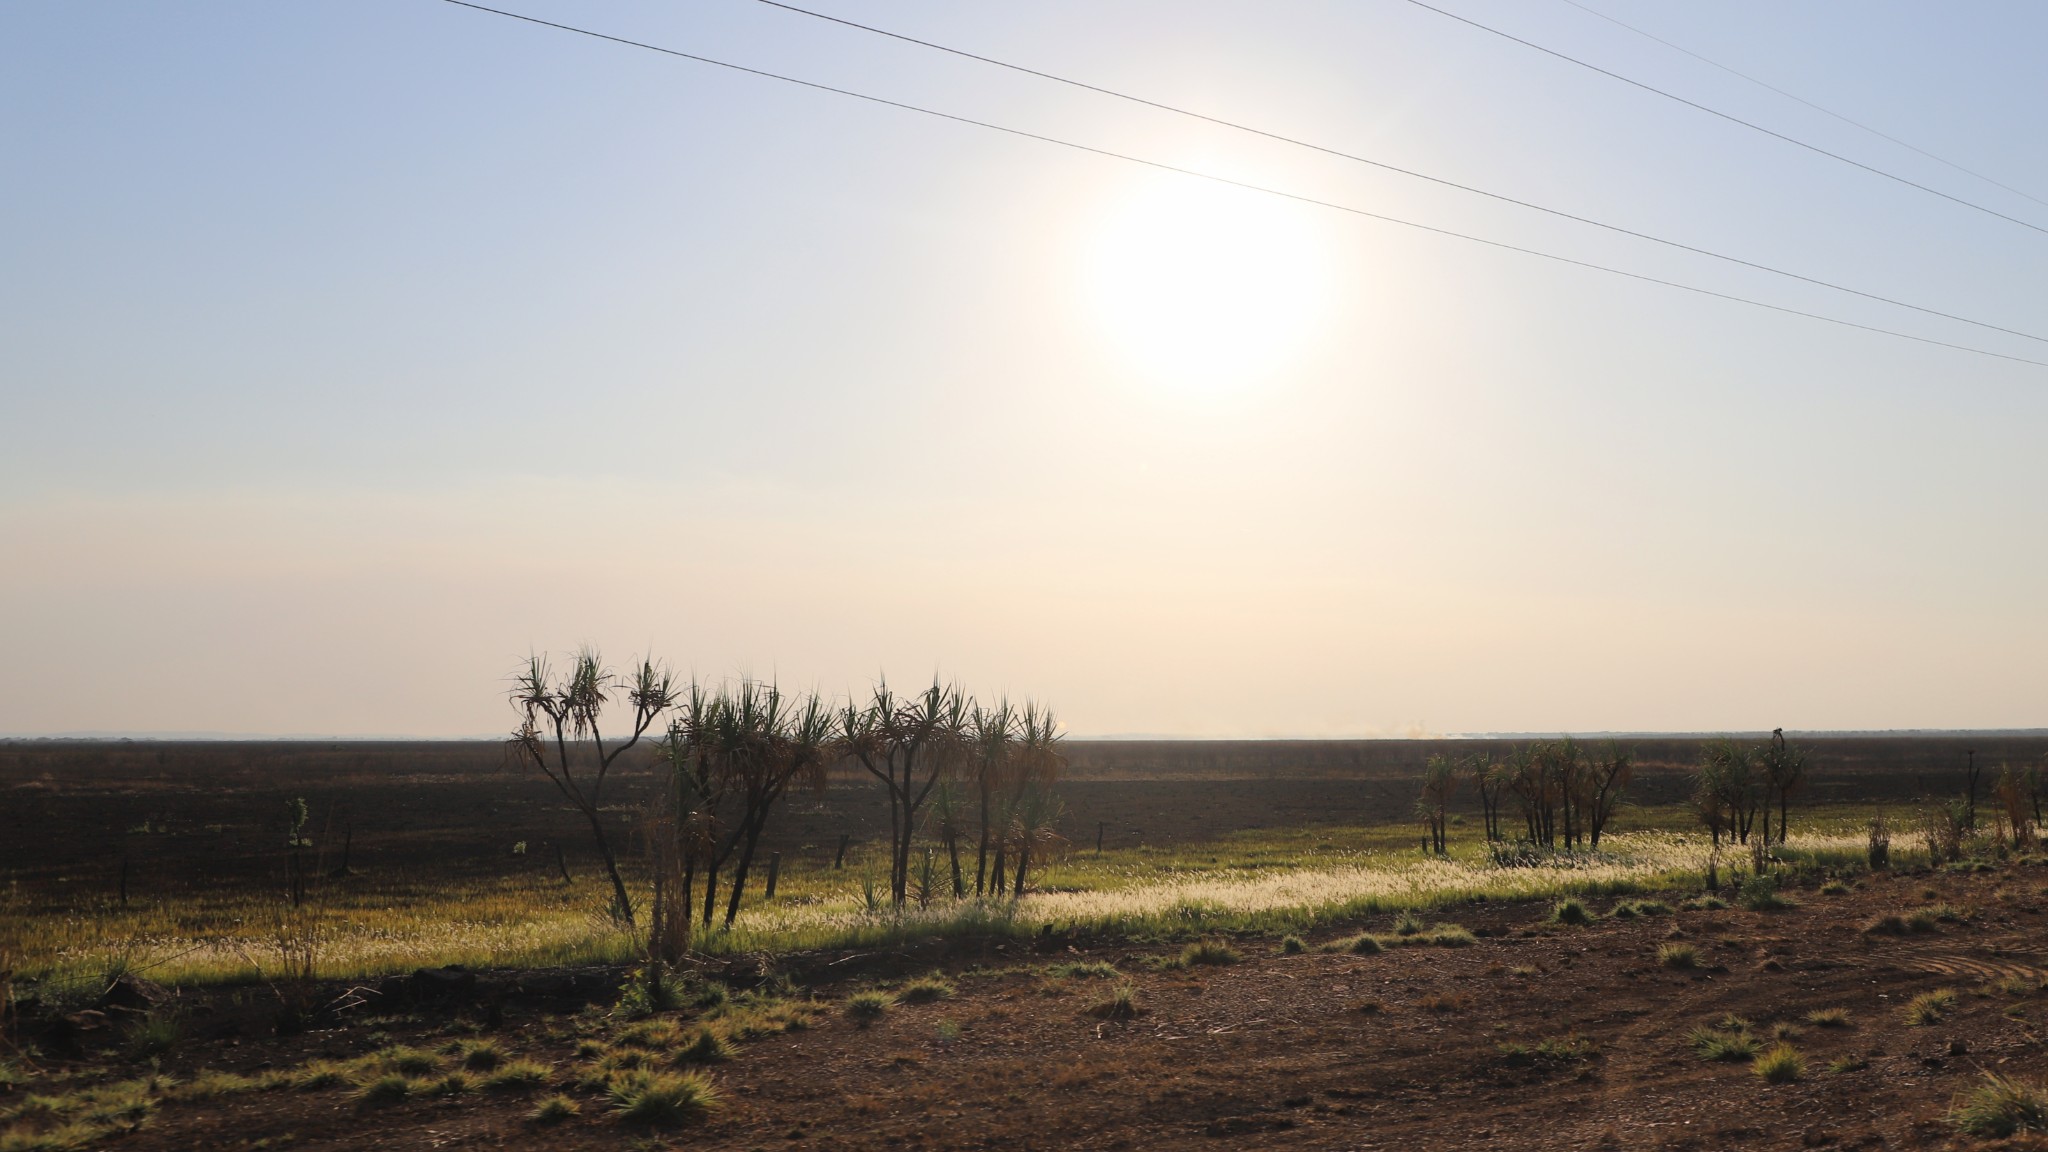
{"x": 2014, "y": 791}
{"x": 1491, "y": 783}
{"x": 1440, "y": 778}
{"x": 909, "y": 744}
{"x": 1782, "y": 765}
{"x": 1602, "y": 783}
{"x": 559, "y": 727}
{"x": 733, "y": 755}
{"x": 1035, "y": 810}
{"x": 1728, "y": 789}
{"x": 992, "y": 738}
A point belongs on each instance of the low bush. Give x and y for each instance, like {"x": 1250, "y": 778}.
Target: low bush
{"x": 1292, "y": 945}
{"x": 1705, "y": 902}
{"x": 1570, "y": 912}
{"x": 1760, "y": 893}
{"x": 1409, "y": 924}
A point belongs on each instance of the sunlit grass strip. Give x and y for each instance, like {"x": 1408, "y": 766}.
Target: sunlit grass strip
{"x": 1243, "y": 883}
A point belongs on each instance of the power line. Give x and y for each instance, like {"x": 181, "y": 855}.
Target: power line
{"x": 1754, "y": 127}
{"x": 1296, "y": 197}
{"x": 1380, "y": 164}
{"x": 1793, "y": 96}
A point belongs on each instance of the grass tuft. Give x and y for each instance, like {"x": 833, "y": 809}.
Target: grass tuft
{"x": 1208, "y": 952}
{"x": 1675, "y": 955}
{"x": 2001, "y": 1106}
{"x": 517, "y": 1076}
{"x": 554, "y": 1109}
{"x": 1570, "y": 912}
{"x": 1120, "y": 1004}
{"x": 386, "y": 1088}
{"x": 869, "y": 1006}
{"x": 1781, "y": 1064}
{"x": 1929, "y": 1007}
{"x": 926, "y": 989}
{"x": 1292, "y": 945}
{"x": 1828, "y": 1017}
{"x": 706, "y": 1047}
{"x": 663, "y": 1099}
{"x": 1716, "y": 1044}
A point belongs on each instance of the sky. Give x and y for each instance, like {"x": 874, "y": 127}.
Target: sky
{"x": 352, "y": 351}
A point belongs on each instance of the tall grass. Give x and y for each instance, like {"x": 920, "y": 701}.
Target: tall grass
{"x": 1271, "y": 882}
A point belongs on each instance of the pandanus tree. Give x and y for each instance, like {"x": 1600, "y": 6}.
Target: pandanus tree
{"x": 732, "y": 756}
{"x": 559, "y": 734}
{"x": 1440, "y": 778}
{"x": 1783, "y": 765}
{"x": 909, "y": 744}
{"x": 1025, "y": 804}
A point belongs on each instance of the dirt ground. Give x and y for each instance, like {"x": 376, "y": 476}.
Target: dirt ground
{"x": 1403, "y": 1049}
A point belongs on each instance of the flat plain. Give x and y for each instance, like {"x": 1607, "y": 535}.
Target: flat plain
{"x": 1258, "y": 954}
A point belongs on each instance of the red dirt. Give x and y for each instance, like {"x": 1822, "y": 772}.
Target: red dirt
{"x": 1280, "y": 1051}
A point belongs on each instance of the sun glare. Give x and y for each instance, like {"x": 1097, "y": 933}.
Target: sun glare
{"x": 1206, "y": 284}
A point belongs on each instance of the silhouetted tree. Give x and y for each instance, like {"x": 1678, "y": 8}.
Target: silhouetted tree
{"x": 559, "y": 715}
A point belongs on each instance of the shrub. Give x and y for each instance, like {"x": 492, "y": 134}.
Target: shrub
{"x": 1292, "y": 945}
{"x": 1120, "y": 1004}
{"x": 1448, "y": 936}
{"x": 706, "y": 1047}
{"x": 1929, "y": 1007}
{"x": 1828, "y": 1017}
{"x": 663, "y": 1099}
{"x": 1570, "y": 912}
{"x": 1782, "y": 1064}
{"x": 517, "y": 1076}
{"x": 1705, "y": 902}
{"x": 868, "y": 1007}
{"x": 1408, "y": 925}
{"x": 554, "y": 1109}
{"x": 1208, "y": 952}
{"x": 150, "y": 1036}
{"x": 926, "y": 989}
{"x": 1630, "y": 909}
{"x": 1715, "y": 1044}
{"x": 1678, "y": 956}
{"x": 2001, "y": 1106}
{"x": 1086, "y": 970}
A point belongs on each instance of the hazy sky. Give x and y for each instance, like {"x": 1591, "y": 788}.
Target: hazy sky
{"x": 351, "y": 350}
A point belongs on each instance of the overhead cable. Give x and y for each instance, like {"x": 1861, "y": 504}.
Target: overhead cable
{"x": 1225, "y": 180}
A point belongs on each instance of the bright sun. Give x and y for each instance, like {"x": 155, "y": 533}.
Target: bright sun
{"x": 1206, "y": 284}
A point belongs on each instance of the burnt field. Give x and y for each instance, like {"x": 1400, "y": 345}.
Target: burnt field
{"x": 184, "y": 811}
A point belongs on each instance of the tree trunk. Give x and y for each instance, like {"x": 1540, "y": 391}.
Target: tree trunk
{"x": 611, "y": 866}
